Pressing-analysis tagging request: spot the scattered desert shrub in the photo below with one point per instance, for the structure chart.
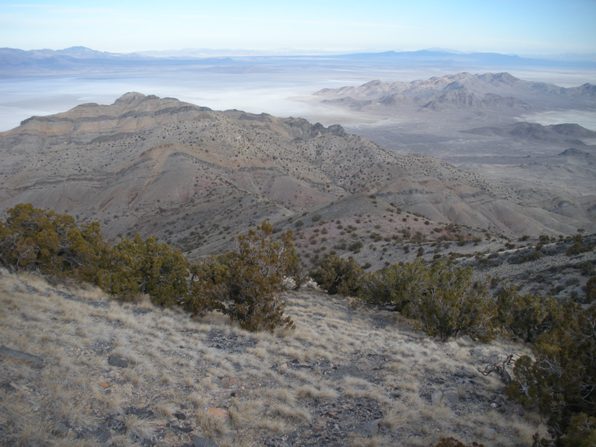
(579, 246)
(338, 275)
(208, 285)
(355, 247)
(42, 240)
(559, 381)
(450, 304)
(591, 289)
(256, 276)
(581, 431)
(526, 316)
(243, 284)
(526, 255)
(39, 240)
(395, 284)
(441, 297)
(146, 266)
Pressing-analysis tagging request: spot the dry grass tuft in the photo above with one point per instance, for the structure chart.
(309, 391)
(138, 428)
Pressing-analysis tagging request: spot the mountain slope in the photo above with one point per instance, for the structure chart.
(196, 176)
(143, 375)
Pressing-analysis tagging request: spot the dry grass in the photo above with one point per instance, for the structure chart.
(341, 366)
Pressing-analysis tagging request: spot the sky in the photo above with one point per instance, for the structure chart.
(530, 27)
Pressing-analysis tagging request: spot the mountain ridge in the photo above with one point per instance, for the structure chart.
(197, 176)
(38, 62)
(567, 132)
(471, 91)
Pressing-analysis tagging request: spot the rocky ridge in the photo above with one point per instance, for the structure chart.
(196, 177)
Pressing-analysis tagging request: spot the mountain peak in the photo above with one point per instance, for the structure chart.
(132, 97)
(503, 77)
(80, 48)
(373, 83)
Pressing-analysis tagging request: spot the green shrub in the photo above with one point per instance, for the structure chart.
(166, 272)
(244, 284)
(208, 286)
(441, 298)
(42, 240)
(525, 315)
(581, 431)
(120, 273)
(339, 276)
(591, 289)
(450, 303)
(146, 266)
(256, 276)
(355, 247)
(52, 243)
(578, 246)
(559, 381)
(395, 285)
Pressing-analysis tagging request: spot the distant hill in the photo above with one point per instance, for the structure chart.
(488, 93)
(573, 152)
(567, 132)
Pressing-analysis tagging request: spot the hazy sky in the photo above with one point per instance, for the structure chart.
(512, 26)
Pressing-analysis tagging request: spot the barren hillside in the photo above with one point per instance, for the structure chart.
(196, 177)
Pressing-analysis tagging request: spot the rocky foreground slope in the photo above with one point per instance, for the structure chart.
(79, 368)
(196, 177)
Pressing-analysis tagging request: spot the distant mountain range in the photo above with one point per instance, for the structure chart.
(486, 59)
(565, 133)
(15, 62)
(36, 62)
(488, 92)
(71, 52)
